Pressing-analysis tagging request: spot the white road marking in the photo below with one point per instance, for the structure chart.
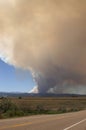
(75, 124)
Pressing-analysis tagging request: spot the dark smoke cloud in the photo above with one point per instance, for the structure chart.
(47, 37)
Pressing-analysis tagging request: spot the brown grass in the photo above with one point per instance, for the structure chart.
(49, 103)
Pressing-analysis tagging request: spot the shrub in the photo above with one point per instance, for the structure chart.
(9, 109)
(6, 105)
(20, 97)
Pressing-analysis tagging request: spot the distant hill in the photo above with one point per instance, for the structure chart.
(18, 94)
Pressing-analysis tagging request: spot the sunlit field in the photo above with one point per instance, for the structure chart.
(21, 106)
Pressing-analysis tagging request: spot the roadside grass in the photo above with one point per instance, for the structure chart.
(20, 106)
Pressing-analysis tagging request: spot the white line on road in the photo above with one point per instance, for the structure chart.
(75, 124)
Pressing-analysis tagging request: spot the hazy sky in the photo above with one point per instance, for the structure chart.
(47, 38)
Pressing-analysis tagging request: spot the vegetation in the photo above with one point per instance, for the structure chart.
(9, 109)
(16, 107)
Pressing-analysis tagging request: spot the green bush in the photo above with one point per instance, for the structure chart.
(13, 113)
(6, 105)
(9, 109)
(20, 97)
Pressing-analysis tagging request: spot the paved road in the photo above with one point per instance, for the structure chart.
(69, 121)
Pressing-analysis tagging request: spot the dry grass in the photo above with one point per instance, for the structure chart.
(15, 107)
(67, 103)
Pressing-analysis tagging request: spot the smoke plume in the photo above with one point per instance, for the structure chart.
(47, 37)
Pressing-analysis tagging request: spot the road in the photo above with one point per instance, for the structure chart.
(68, 121)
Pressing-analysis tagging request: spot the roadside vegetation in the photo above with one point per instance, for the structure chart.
(17, 107)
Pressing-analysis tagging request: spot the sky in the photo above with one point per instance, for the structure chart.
(12, 80)
(46, 38)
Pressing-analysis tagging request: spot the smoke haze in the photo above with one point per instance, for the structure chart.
(47, 37)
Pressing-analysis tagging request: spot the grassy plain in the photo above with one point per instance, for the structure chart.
(21, 106)
(51, 103)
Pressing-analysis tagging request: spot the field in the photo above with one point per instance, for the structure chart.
(21, 106)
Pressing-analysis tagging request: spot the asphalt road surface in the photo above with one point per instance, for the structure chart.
(68, 121)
